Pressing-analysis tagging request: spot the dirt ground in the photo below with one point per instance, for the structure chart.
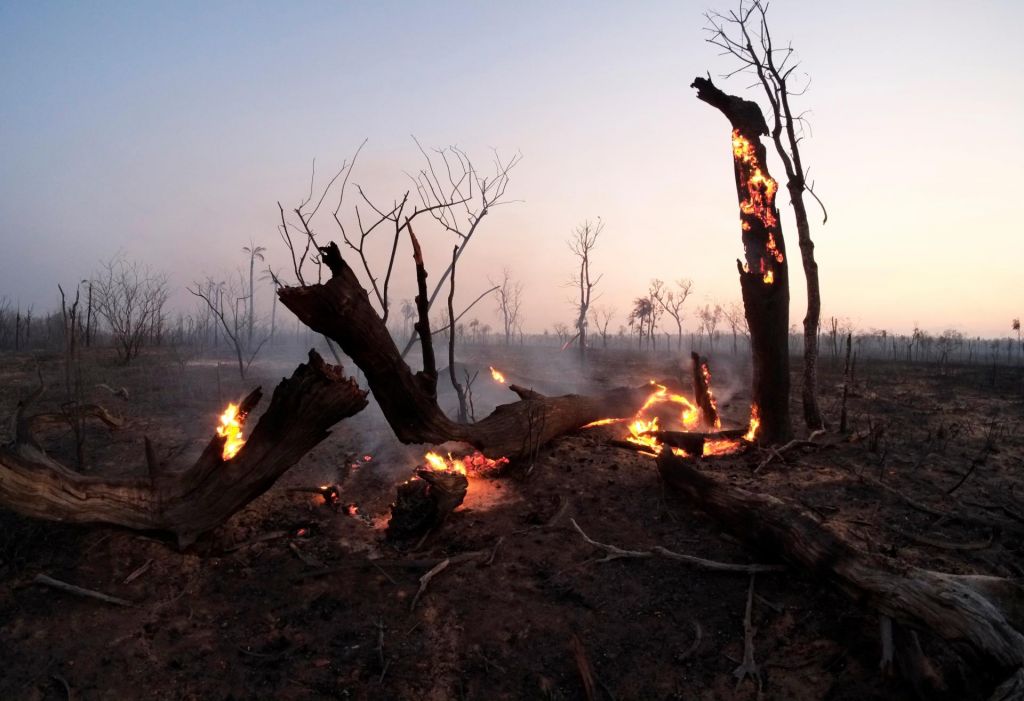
(294, 600)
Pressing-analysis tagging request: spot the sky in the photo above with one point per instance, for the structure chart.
(168, 132)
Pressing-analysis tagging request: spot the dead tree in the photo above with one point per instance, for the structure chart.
(764, 275)
(341, 310)
(702, 393)
(582, 243)
(190, 501)
(231, 319)
(510, 299)
(984, 613)
(751, 44)
(672, 301)
(130, 298)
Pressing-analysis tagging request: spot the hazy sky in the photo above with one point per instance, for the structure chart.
(169, 131)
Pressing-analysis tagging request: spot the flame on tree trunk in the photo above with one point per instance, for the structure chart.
(764, 274)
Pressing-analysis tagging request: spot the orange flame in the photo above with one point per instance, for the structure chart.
(760, 200)
(755, 423)
(230, 430)
(475, 463)
(498, 377)
(706, 372)
(602, 422)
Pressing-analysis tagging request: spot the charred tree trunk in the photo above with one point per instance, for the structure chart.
(985, 613)
(192, 501)
(702, 392)
(340, 309)
(764, 275)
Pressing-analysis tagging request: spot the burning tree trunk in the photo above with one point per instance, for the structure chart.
(340, 309)
(764, 275)
(983, 612)
(702, 392)
(192, 501)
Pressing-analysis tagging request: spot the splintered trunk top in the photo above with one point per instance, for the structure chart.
(764, 272)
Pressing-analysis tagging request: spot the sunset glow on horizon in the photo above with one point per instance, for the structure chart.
(169, 132)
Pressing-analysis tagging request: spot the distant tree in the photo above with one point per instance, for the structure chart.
(130, 298)
(672, 301)
(602, 318)
(582, 243)
(1016, 327)
(562, 332)
(643, 310)
(232, 317)
(709, 318)
(510, 298)
(744, 35)
(254, 252)
(737, 320)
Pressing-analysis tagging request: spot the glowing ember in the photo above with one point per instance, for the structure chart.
(476, 463)
(230, 430)
(351, 510)
(367, 458)
(498, 377)
(755, 423)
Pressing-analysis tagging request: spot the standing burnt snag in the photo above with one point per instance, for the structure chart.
(764, 274)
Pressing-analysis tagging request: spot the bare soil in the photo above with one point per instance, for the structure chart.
(249, 613)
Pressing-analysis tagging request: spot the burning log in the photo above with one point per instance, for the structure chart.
(425, 502)
(693, 441)
(340, 309)
(980, 611)
(198, 498)
(702, 392)
(764, 275)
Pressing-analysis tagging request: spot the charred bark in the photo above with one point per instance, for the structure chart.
(981, 612)
(764, 274)
(425, 502)
(198, 498)
(702, 392)
(340, 309)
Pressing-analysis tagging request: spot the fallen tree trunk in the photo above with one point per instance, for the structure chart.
(192, 501)
(340, 309)
(982, 612)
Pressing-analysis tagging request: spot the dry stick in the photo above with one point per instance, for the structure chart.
(615, 552)
(79, 591)
(698, 635)
(425, 580)
(583, 665)
(64, 683)
(139, 572)
(748, 668)
(307, 559)
(795, 443)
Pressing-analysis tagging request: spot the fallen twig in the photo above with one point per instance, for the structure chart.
(748, 668)
(425, 580)
(583, 665)
(776, 453)
(615, 552)
(79, 591)
(139, 571)
(698, 635)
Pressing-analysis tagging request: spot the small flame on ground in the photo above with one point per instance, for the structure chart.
(498, 377)
(230, 430)
(475, 463)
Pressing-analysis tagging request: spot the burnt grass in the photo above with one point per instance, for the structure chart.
(245, 614)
